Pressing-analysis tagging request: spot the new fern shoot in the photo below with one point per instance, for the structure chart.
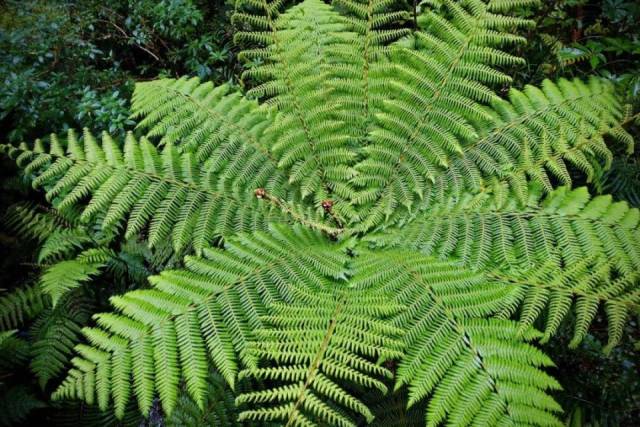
(369, 229)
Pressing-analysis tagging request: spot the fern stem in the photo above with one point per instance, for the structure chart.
(315, 364)
(467, 339)
(298, 109)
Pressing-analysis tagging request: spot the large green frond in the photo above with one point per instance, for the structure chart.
(436, 84)
(539, 135)
(358, 67)
(310, 138)
(209, 310)
(213, 123)
(62, 243)
(562, 248)
(165, 191)
(309, 350)
(476, 370)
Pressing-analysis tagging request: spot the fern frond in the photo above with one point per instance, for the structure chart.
(213, 123)
(358, 67)
(535, 138)
(551, 293)
(54, 334)
(20, 305)
(310, 138)
(565, 226)
(160, 190)
(63, 276)
(477, 370)
(209, 310)
(541, 132)
(309, 349)
(565, 247)
(438, 82)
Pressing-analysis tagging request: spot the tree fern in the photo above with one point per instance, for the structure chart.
(370, 217)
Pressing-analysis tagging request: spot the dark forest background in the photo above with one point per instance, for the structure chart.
(71, 64)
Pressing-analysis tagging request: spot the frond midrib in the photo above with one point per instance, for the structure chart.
(468, 339)
(283, 205)
(297, 107)
(314, 366)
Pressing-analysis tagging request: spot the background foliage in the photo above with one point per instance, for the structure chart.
(63, 63)
(68, 64)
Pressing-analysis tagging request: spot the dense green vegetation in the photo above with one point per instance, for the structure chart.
(348, 213)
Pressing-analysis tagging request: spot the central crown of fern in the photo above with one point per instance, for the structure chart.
(381, 221)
